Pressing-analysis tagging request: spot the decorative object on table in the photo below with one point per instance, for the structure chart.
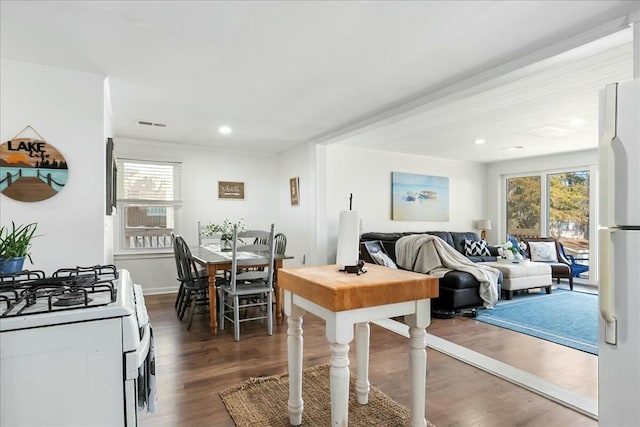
(224, 230)
(31, 169)
(294, 190)
(513, 250)
(230, 190)
(484, 225)
(564, 317)
(348, 249)
(419, 197)
(260, 402)
(15, 243)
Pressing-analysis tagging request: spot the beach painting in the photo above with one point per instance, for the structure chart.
(417, 197)
(31, 170)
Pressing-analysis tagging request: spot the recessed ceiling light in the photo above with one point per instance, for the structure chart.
(225, 130)
(513, 147)
(479, 141)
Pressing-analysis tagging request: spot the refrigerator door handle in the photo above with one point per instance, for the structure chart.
(606, 287)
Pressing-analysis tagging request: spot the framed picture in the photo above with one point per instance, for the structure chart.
(294, 189)
(419, 197)
(230, 190)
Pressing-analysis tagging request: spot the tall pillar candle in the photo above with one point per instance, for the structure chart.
(348, 238)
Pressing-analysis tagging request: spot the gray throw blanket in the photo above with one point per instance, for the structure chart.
(424, 253)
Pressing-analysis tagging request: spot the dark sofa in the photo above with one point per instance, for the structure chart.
(458, 290)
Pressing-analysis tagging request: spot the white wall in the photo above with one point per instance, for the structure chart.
(66, 108)
(202, 168)
(297, 222)
(367, 174)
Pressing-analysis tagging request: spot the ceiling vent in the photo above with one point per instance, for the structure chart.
(144, 123)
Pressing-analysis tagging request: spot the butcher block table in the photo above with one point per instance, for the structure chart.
(348, 301)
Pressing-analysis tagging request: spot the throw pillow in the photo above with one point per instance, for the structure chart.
(543, 251)
(476, 248)
(383, 259)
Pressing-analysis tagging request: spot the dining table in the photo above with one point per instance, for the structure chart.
(215, 260)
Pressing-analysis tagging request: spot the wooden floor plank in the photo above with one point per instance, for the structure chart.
(193, 367)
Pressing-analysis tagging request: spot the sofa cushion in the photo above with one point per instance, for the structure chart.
(459, 238)
(383, 259)
(475, 248)
(444, 235)
(543, 251)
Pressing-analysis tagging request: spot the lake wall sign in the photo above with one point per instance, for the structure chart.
(31, 169)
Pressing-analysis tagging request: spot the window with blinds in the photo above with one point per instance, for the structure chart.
(149, 198)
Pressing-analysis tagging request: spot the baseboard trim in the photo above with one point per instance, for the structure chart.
(159, 291)
(560, 395)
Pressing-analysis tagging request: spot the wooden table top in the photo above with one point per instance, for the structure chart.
(339, 291)
(203, 255)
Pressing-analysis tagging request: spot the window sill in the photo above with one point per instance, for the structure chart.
(143, 254)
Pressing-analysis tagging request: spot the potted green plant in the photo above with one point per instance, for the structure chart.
(15, 243)
(225, 230)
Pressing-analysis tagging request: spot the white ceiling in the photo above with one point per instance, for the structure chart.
(418, 77)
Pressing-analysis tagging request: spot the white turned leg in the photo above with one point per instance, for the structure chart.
(418, 366)
(362, 362)
(294, 349)
(339, 379)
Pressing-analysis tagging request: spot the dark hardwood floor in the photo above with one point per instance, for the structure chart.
(193, 367)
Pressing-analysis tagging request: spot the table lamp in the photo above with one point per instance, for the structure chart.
(484, 225)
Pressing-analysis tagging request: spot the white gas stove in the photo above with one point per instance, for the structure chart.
(81, 333)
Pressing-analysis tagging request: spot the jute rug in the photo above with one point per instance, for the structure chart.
(263, 402)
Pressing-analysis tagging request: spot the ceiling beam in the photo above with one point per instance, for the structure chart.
(474, 84)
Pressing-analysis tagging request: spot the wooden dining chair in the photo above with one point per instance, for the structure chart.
(249, 289)
(195, 287)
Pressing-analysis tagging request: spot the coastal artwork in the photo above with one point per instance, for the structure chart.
(31, 169)
(417, 197)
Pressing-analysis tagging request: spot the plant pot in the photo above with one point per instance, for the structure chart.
(11, 265)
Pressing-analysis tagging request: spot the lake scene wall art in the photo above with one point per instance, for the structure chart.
(417, 197)
(31, 169)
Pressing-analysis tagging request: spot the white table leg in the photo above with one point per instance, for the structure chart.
(362, 362)
(418, 361)
(294, 348)
(339, 379)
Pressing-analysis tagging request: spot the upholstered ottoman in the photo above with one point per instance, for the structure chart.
(523, 275)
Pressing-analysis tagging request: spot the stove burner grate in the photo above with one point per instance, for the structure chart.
(29, 293)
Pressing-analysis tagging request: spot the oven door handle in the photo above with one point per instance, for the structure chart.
(135, 359)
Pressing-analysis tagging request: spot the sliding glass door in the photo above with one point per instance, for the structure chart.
(559, 209)
(524, 197)
(568, 207)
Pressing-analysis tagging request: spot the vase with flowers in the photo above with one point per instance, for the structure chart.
(513, 250)
(225, 231)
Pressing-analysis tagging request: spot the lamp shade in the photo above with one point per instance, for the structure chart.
(483, 224)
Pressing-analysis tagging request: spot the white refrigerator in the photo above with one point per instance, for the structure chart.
(619, 256)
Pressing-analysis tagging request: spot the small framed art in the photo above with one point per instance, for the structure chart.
(230, 190)
(294, 188)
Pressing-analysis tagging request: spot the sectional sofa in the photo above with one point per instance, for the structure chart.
(458, 290)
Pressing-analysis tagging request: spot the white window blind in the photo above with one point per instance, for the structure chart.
(149, 181)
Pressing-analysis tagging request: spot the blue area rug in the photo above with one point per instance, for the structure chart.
(565, 317)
